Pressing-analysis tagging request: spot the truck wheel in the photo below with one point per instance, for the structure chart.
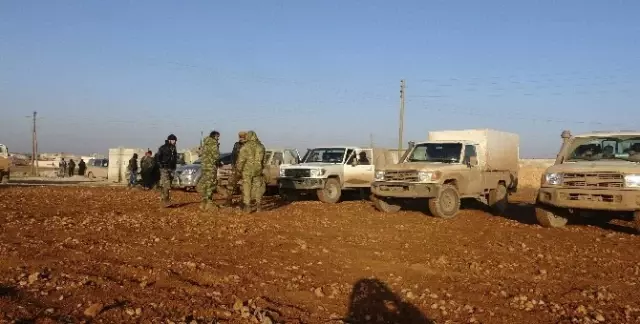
(331, 192)
(636, 220)
(498, 200)
(288, 195)
(547, 218)
(385, 205)
(446, 204)
(4, 178)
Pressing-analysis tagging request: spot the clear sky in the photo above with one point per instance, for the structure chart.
(302, 73)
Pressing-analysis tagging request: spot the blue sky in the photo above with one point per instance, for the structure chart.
(302, 73)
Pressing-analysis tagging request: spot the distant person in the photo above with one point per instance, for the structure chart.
(63, 167)
(209, 168)
(82, 167)
(133, 170)
(167, 159)
(251, 164)
(146, 170)
(72, 168)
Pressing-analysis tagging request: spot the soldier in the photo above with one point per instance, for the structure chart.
(233, 179)
(210, 154)
(146, 166)
(133, 170)
(63, 167)
(82, 166)
(167, 159)
(250, 164)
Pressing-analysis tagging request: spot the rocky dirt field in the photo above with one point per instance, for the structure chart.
(112, 255)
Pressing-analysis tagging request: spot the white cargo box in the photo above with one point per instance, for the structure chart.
(497, 150)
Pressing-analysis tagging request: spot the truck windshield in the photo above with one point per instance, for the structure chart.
(436, 152)
(325, 155)
(625, 148)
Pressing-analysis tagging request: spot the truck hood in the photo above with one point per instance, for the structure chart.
(312, 165)
(422, 166)
(596, 166)
(187, 166)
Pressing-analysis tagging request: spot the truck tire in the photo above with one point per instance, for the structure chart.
(4, 177)
(385, 205)
(331, 192)
(498, 200)
(636, 221)
(288, 195)
(550, 219)
(446, 204)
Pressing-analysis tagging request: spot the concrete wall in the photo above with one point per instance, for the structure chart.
(119, 160)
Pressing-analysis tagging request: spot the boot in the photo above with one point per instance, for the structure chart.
(258, 207)
(203, 206)
(246, 209)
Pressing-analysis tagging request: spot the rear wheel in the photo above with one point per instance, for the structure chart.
(499, 200)
(549, 218)
(331, 192)
(636, 220)
(446, 204)
(4, 177)
(386, 205)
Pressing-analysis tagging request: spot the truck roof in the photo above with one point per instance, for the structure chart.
(610, 134)
(448, 141)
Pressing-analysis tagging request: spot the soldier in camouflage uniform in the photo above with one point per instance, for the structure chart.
(146, 165)
(167, 158)
(250, 164)
(210, 154)
(235, 176)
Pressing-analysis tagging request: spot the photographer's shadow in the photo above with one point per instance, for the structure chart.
(373, 302)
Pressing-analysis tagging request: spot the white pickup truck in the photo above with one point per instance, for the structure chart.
(327, 171)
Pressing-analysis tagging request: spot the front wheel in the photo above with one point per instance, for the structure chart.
(4, 177)
(499, 200)
(385, 205)
(331, 192)
(547, 218)
(446, 204)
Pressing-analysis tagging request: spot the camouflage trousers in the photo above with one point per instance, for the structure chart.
(253, 187)
(166, 178)
(208, 183)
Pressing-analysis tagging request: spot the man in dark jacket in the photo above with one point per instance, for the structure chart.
(82, 166)
(133, 170)
(167, 158)
(72, 167)
(233, 179)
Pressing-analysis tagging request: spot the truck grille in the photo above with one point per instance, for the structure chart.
(409, 176)
(297, 173)
(593, 180)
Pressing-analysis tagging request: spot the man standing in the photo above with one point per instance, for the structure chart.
(250, 165)
(146, 166)
(82, 166)
(133, 170)
(167, 158)
(210, 154)
(63, 167)
(233, 179)
(72, 167)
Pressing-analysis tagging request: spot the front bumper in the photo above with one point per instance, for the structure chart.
(404, 189)
(184, 181)
(301, 183)
(611, 200)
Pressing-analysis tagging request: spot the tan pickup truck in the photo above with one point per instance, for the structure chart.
(479, 164)
(5, 164)
(596, 176)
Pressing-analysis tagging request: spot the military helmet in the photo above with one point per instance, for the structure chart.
(172, 137)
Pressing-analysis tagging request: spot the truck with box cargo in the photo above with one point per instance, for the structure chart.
(596, 177)
(452, 165)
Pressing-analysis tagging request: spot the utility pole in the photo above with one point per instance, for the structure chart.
(34, 148)
(401, 128)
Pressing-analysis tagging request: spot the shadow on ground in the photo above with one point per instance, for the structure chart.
(372, 301)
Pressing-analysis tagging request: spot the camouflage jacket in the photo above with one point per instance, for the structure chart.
(133, 165)
(251, 156)
(147, 162)
(210, 153)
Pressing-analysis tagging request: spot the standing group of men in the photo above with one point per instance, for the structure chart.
(70, 168)
(148, 170)
(247, 163)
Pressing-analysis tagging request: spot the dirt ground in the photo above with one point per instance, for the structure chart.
(112, 255)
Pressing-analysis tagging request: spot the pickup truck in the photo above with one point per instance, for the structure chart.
(5, 164)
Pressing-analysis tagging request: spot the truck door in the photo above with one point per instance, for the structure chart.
(473, 172)
(358, 169)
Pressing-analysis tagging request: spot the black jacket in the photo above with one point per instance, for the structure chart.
(167, 156)
(235, 152)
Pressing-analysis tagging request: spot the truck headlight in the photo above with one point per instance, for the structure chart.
(379, 175)
(316, 173)
(425, 176)
(282, 172)
(553, 178)
(632, 180)
(188, 171)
